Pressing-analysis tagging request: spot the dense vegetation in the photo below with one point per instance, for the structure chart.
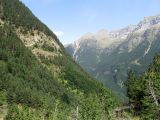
(35, 87)
(32, 88)
(144, 92)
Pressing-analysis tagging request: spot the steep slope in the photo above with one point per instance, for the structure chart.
(130, 48)
(38, 80)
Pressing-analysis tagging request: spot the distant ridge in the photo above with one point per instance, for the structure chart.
(109, 55)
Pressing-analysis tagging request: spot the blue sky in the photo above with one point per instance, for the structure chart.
(70, 19)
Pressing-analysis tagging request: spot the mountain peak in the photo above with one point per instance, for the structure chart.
(103, 31)
(152, 17)
(86, 37)
(148, 22)
(102, 34)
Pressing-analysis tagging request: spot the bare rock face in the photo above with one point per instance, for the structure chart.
(130, 37)
(150, 25)
(103, 39)
(148, 22)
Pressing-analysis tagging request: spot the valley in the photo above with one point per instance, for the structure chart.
(110, 55)
(108, 75)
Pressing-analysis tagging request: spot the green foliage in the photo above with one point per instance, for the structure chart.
(144, 92)
(32, 91)
(47, 47)
(2, 98)
(25, 80)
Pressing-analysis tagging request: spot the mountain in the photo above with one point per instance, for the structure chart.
(38, 80)
(109, 55)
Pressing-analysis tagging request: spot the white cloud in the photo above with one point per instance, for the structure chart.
(58, 33)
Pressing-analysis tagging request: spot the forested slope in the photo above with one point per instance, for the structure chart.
(38, 80)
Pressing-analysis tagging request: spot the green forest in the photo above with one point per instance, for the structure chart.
(38, 87)
(144, 92)
(29, 88)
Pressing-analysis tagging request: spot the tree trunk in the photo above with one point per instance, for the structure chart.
(152, 92)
